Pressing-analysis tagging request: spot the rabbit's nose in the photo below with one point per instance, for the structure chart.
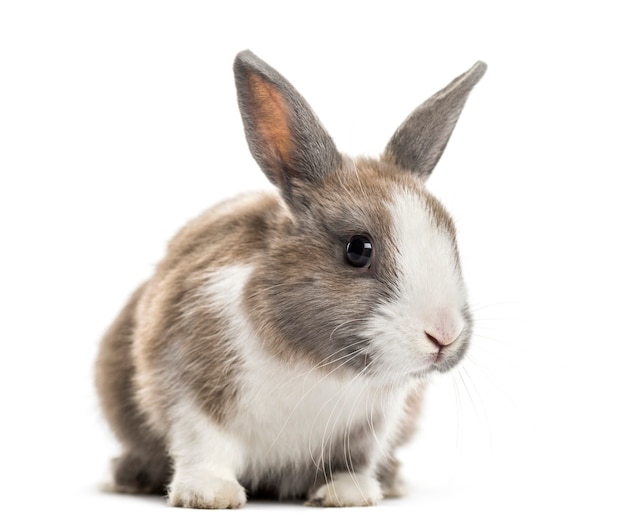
(444, 333)
(434, 340)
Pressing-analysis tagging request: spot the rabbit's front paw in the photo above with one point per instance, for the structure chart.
(207, 493)
(347, 489)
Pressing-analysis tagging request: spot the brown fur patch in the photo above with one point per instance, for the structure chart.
(308, 303)
(180, 343)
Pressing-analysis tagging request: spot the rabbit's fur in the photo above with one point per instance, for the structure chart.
(257, 358)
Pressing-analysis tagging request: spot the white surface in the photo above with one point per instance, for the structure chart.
(118, 122)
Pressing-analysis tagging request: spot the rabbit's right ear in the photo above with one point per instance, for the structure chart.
(284, 135)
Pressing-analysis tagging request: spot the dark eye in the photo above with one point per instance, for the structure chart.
(359, 251)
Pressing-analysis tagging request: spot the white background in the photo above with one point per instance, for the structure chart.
(118, 123)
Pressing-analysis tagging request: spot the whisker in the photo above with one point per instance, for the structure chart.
(478, 307)
(457, 397)
(488, 374)
(322, 363)
(326, 437)
(347, 436)
(462, 370)
(345, 323)
(477, 335)
(370, 423)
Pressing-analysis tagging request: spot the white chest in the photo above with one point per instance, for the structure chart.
(289, 415)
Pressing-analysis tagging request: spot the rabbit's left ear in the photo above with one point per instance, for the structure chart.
(419, 142)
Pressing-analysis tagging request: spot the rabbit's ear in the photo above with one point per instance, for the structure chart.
(284, 135)
(419, 142)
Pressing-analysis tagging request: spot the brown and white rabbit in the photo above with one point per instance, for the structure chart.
(281, 346)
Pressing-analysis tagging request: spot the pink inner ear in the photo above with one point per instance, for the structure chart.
(271, 117)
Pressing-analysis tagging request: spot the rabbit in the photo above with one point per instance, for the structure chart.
(283, 344)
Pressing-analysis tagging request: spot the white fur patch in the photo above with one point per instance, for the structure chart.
(192, 431)
(206, 461)
(348, 489)
(431, 293)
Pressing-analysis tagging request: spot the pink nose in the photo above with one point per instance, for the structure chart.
(443, 337)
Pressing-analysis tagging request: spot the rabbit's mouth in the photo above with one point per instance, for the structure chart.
(406, 356)
(447, 357)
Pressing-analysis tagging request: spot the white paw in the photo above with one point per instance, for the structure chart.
(207, 493)
(347, 489)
